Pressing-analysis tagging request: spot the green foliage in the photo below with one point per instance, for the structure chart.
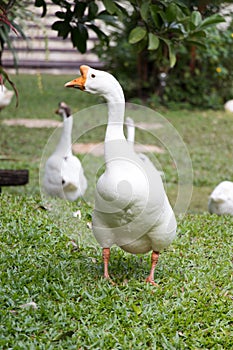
(76, 20)
(159, 26)
(202, 75)
(152, 40)
(206, 80)
(12, 14)
(167, 24)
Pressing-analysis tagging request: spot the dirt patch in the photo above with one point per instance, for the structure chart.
(149, 126)
(148, 148)
(97, 149)
(33, 123)
(49, 123)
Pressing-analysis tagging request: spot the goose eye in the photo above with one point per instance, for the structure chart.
(93, 75)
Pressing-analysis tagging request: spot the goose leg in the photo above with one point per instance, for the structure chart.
(106, 256)
(154, 260)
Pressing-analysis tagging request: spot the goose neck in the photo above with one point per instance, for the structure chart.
(115, 124)
(64, 145)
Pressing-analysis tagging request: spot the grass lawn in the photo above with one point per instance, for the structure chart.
(52, 259)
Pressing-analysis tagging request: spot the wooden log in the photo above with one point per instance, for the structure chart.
(13, 177)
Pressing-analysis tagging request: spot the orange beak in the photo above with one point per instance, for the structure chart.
(79, 83)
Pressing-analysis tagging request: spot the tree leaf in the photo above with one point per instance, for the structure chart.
(198, 34)
(62, 27)
(41, 3)
(196, 18)
(92, 10)
(209, 21)
(196, 43)
(153, 42)
(162, 15)
(106, 17)
(110, 6)
(79, 36)
(144, 10)
(171, 12)
(172, 55)
(101, 35)
(136, 35)
(79, 9)
(60, 14)
(154, 14)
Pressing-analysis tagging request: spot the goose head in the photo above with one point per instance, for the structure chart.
(98, 82)
(63, 110)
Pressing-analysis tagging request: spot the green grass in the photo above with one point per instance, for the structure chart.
(76, 307)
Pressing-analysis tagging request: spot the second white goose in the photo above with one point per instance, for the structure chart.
(131, 138)
(64, 176)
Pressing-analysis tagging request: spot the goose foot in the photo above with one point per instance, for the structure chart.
(152, 282)
(154, 261)
(106, 257)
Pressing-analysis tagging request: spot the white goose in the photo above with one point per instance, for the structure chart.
(221, 199)
(131, 137)
(229, 106)
(64, 176)
(131, 206)
(5, 96)
(130, 131)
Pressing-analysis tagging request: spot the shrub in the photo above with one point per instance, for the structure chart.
(205, 80)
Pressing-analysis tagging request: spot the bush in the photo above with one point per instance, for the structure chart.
(207, 80)
(202, 76)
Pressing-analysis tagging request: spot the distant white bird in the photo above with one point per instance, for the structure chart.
(229, 106)
(221, 199)
(5, 96)
(64, 176)
(130, 126)
(130, 131)
(131, 207)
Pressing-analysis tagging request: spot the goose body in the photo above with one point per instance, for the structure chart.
(5, 96)
(131, 206)
(64, 176)
(221, 199)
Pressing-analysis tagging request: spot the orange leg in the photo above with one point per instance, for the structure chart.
(154, 260)
(106, 256)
